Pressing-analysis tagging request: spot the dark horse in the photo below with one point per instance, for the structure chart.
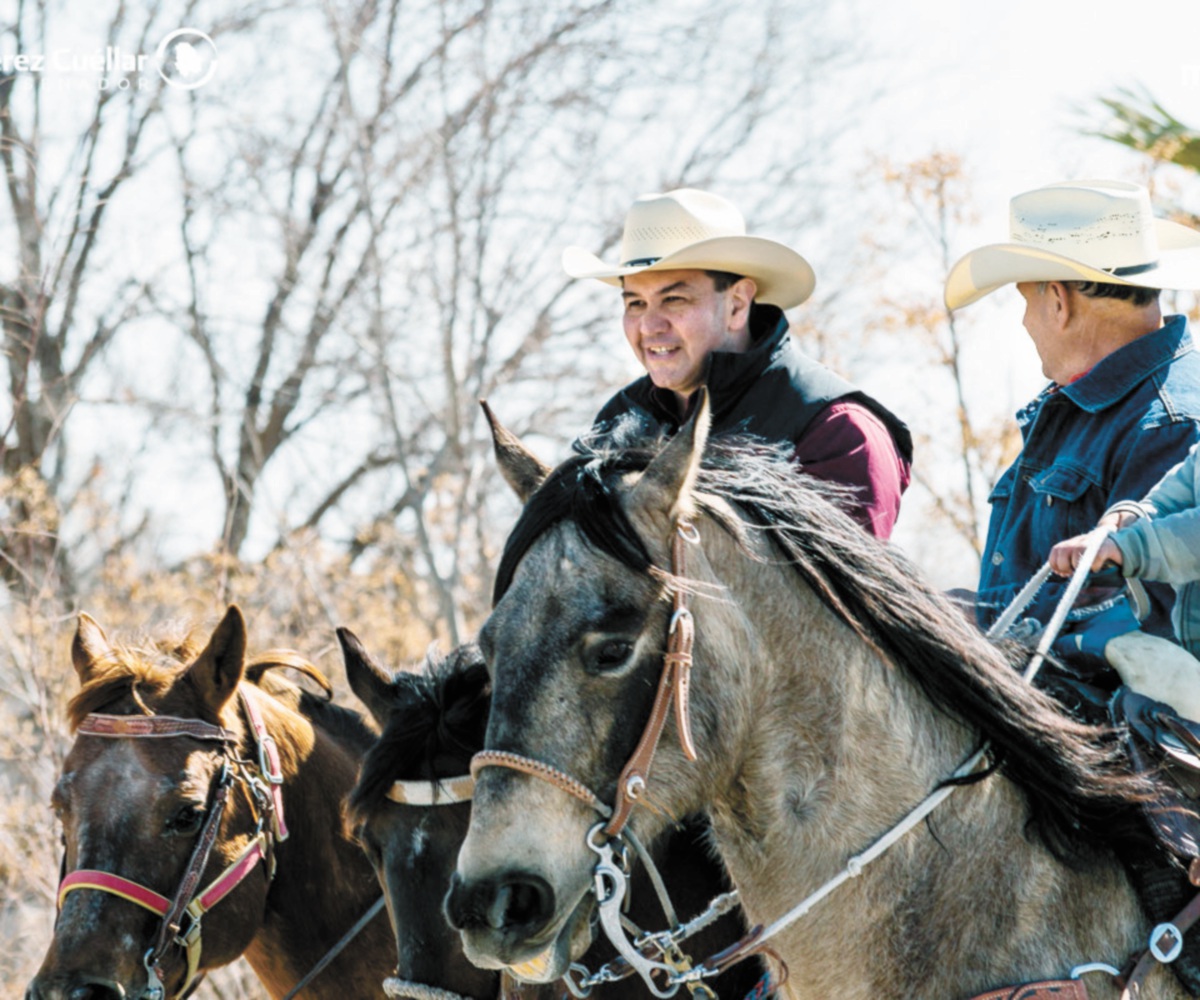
(410, 810)
(166, 739)
(831, 689)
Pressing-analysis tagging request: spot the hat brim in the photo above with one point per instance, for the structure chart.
(783, 277)
(982, 271)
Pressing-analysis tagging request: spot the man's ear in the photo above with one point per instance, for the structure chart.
(738, 298)
(1061, 301)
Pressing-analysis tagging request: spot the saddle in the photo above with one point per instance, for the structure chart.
(1160, 741)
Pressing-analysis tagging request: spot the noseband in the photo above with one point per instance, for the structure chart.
(264, 785)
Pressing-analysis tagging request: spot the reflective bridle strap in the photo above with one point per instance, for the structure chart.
(438, 792)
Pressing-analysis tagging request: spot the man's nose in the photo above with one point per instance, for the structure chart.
(654, 321)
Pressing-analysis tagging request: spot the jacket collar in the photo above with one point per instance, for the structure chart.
(729, 373)
(1115, 376)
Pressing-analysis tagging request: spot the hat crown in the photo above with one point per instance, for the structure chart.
(660, 224)
(1105, 224)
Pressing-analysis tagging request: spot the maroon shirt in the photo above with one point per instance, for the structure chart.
(847, 443)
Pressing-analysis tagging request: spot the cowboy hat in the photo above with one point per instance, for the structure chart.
(1081, 231)
(686, 229)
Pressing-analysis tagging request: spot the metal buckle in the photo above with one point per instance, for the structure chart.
(268, 762)
(687, 531)
(676, 618)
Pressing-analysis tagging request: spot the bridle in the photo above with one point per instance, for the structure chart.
(674, 684)
(262, 779)
(436, 792)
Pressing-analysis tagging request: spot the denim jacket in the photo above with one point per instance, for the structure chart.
(1109, 435)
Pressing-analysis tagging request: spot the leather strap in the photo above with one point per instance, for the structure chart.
(86, 878)
(1163, 940)
(538, 769)
(673, 686)
(1047, 989)
(438, 792)
(268, 763)
(150, 726)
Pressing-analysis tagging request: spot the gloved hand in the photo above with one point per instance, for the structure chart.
(1081, 644)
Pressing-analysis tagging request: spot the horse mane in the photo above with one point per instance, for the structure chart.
(436, 723)
(1076, 779)
(149, 667)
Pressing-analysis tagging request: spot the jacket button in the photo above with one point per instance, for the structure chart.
(1049, 501)
(997, 558)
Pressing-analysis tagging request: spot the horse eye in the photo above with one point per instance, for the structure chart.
(185, 821)
(611, 654)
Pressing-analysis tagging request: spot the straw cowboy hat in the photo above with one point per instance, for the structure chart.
(1081, 231)
(690, 229)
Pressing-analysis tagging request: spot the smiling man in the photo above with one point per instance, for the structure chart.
(704, 307)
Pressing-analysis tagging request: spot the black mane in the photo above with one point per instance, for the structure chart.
(1079, 784)
(435, 726)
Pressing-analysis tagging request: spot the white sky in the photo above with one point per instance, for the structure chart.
(1003, 81)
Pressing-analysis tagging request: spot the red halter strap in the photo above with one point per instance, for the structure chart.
(188, 900)
(673, 686)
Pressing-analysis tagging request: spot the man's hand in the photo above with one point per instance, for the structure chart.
(1065, 556)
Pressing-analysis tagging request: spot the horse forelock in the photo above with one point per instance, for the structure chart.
(1075, 778)
(436, 725)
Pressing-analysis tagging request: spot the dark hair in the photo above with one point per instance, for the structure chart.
(1136, 294)
(723, 279)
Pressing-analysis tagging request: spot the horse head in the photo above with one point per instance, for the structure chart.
(575, 643)
(409, 810)
(171, 802)
(133, 808)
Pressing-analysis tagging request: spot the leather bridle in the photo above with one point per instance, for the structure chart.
(673, 687)
(263, 783)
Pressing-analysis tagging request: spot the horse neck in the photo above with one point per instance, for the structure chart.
(306, 915)
(824, 749)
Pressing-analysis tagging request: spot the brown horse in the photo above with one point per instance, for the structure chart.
(410, 810)
(830, 690)
(174, 750)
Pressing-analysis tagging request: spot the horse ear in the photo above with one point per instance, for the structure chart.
(668, 480)
(370, 682)
(219, 668)
(89, 647)
(520, 467)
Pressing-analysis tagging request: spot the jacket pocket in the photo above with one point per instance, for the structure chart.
(1066, 487)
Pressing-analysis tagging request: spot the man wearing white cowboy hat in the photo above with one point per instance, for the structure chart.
(1122, 406)
(704, 307)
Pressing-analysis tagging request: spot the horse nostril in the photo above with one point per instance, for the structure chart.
(96, 990)
(498, 912)
(519, 900)
(520, 903)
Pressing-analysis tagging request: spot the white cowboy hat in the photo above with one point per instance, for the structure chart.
(1081, 231)
(686, 229)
